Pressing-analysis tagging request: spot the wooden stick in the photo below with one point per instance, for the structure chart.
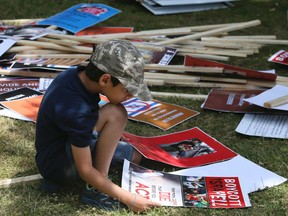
(261, 83)
(17, 49)
(211, 85)
(54, 46)
(16, 22)
(59, 56)
(213, 26)
(249, 40)
(93, 40)
(168, 77)
(276, 102)
(216, 52)
(180, 95)
(211, 32)
(29, 73)
(181, 68)
(150, 82)
(206, 56)
(222, 79)
(47, 51)
(64, 42)
(12, 181)
(270, 37)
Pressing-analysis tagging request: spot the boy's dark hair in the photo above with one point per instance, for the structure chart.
(95, 73)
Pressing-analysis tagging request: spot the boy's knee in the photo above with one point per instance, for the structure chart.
(117, 112)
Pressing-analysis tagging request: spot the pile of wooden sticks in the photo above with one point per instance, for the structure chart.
(211, 42)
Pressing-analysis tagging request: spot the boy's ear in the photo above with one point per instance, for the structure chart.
(104, 79)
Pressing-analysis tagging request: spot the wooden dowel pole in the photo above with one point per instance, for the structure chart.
(206, 56)
(12, 181)
(59, 56)
(47, 51)
(92, 40)
(181, 68)
(64, 42)
(276, 102)
(212, 32)
(18, 22)
(29, 73)
(180, 95)
(47, 45)
(216, 52)
(248, 40)
(18, 49)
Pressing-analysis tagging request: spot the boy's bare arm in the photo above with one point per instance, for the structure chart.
(89, 174)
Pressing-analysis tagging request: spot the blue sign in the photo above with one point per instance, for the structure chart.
(80, 16)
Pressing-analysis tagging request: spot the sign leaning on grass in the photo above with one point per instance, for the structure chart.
(80, 17)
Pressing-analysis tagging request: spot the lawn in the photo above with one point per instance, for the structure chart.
(17, 137)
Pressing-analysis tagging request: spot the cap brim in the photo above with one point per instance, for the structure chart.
(139, 90)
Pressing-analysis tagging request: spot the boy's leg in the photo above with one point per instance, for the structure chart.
(110, 125)
(111, 122)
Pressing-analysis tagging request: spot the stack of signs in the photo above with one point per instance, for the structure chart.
(214, 176)
(160, 7)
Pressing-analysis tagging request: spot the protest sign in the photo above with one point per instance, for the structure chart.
(12, 97)
(263, 125)
(280, 57)
(80, 17)
(188, 191)
(252, 176)
(187, 148)
(269, 95)
(27, 107)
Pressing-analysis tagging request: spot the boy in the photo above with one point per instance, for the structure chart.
(74, 138)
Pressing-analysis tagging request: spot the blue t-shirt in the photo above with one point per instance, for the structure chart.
(68, 113)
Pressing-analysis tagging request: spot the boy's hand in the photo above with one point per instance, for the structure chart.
(140, 204)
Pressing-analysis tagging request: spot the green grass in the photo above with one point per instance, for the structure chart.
(17, 137)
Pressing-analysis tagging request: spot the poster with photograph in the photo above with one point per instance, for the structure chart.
(187, 191)
(184, 149)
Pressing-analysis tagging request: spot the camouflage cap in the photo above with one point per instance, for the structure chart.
(123, 61)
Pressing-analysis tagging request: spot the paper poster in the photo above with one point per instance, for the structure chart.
(184, 149)
(5, 44)
(280, 57)
(264, 125)
(11, 84)
(96, 30)
(269, 95)
(165, 116)
(252, 176)
(230, 69)
(184, 190)
(80, 17)
(232, 101)
(27, 107)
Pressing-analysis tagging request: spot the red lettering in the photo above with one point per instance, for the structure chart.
(164, 196)
(141, 189)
